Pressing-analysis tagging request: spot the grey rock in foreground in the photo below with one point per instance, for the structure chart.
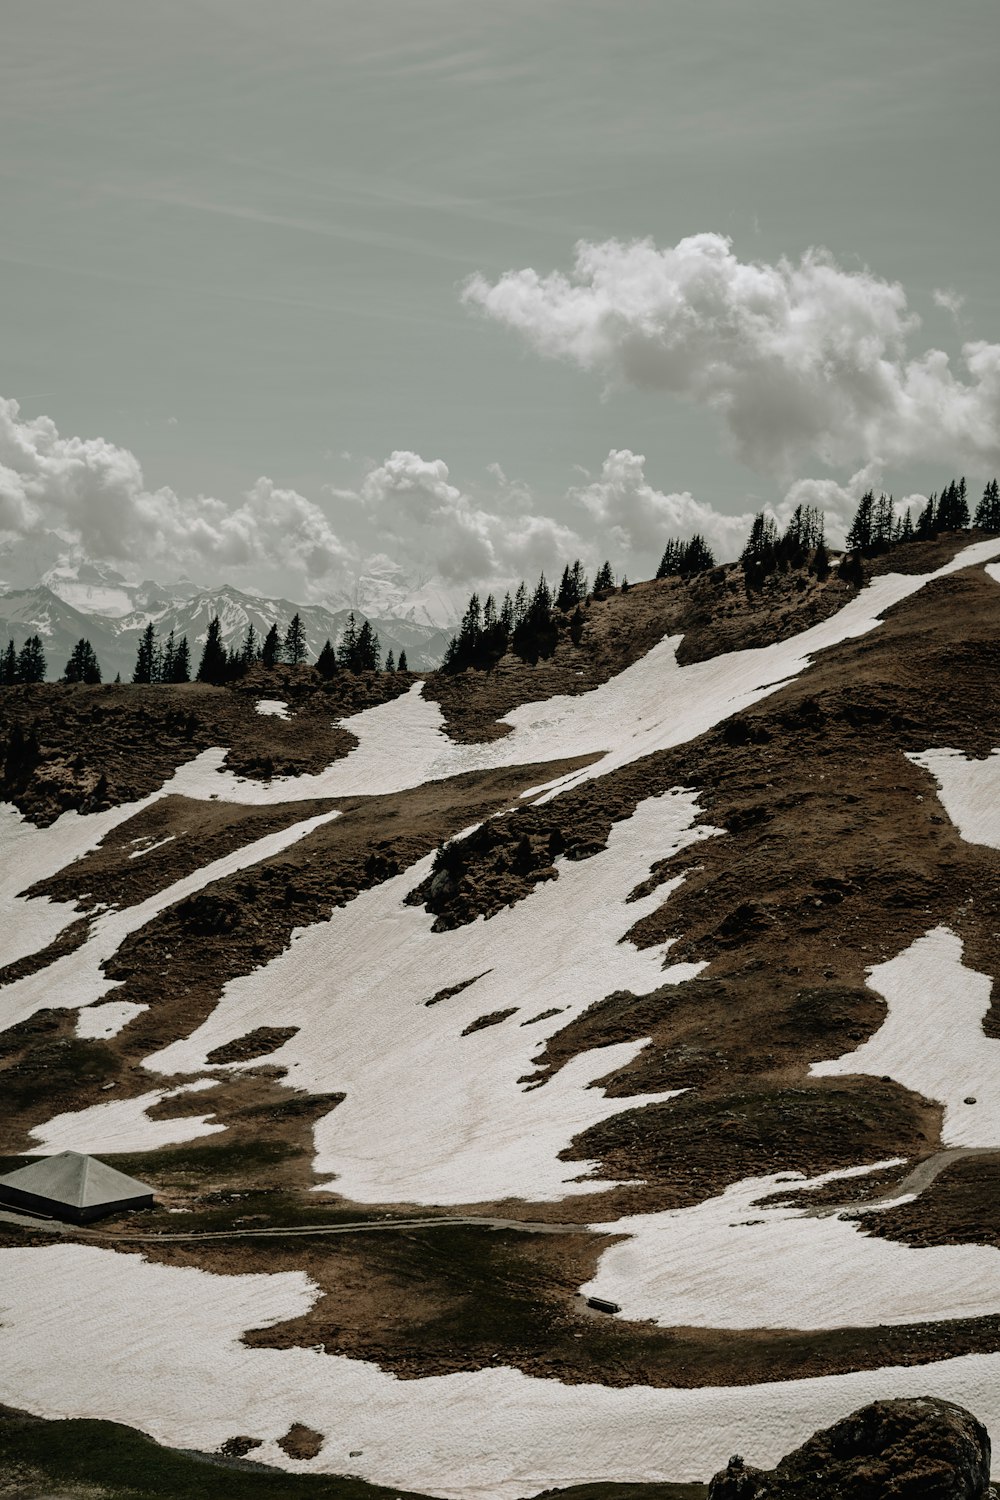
(921, 1449)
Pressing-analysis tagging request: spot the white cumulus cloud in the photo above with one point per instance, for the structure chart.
(798, 358)
(92, 492)
(417, 508)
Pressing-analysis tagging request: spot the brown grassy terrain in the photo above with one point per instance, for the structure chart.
(834, 853)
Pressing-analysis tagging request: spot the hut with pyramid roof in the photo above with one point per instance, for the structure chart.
(74, 1187)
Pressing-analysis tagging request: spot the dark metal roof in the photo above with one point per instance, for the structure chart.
(75, 1180)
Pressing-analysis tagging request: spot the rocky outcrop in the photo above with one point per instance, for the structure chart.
(921, 1449)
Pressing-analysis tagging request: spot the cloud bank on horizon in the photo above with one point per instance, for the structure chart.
(801, 362)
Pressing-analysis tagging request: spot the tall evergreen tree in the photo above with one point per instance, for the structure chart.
(213, 666)
(390, 662)
(271, 649)
(401, 664)
(8, 669)
(988, 509)
(347, 648)
(145, 656)
(670, 562)
(326, 661)
(83, 665)
(604, 579)
(697, 557)
(31, 661)
(168, 657)
(760, 551)
(181, 671)
(368, 651)
(859, 538)
(251, 647)
(927, 521)
(293, 647)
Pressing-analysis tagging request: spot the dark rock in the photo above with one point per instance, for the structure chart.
(920, 1449)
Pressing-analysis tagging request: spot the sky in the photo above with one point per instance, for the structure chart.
(481, 286)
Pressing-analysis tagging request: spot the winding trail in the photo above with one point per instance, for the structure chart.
(357, 1226)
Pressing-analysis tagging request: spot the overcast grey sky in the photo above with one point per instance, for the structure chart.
(235, 236)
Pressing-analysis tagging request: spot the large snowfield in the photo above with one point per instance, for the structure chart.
(437, 1114)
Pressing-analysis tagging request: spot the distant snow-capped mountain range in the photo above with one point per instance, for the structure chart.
(91, 600)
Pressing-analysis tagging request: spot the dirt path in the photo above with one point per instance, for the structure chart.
(358, 1226)
(912, 1185)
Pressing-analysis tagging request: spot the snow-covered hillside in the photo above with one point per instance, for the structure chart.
(709, 1035)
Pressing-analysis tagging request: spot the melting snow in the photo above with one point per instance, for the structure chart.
(275, 708)
(171, 1363)
(932, 1038)
(737, 1262)
(430, 1115)
(78, 978)
(969, 791)
(125, 1125)
(652, 705)
(107, 1018)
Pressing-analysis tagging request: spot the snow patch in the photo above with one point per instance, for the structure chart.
(969, 791)
(171, 1363)
(431, 1115)
(125, 1125)
(275, 708)
(78, 979)
(107, 1019)
(932, 1039)
(737, 1262)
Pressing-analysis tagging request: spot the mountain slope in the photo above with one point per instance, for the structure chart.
(677, 992)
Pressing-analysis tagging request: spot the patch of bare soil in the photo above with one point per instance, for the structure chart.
(88, 748)
(714, 612)
(960, 1207)
(178, 963)
(173, 838)
(424, 1302)
(301, 1441)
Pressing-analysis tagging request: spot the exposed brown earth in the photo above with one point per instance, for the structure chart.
(102, 746)
(714, 612)
(180, 961)
(834, 853)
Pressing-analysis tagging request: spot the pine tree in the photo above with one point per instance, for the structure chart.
(213, 665)
(368, 651)
(927, 521)
(988, 509)
(604, 580)
(760, 551)
(821, 562)
(390, 663)
(83, 665)
(8, 669)
(168, 657)
(520, 604)
(670, 562)
(294, 645)
(182, 661)
(251, 647)
(347, 648)
(565, 597)
(859, 538)
(271, 648)
(697, 557)
(401, 664)
(31, 661)
(145, 656)
(326, 662)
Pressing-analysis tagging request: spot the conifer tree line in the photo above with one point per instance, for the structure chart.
(26, 665)
(359, 650)
(526, 622)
